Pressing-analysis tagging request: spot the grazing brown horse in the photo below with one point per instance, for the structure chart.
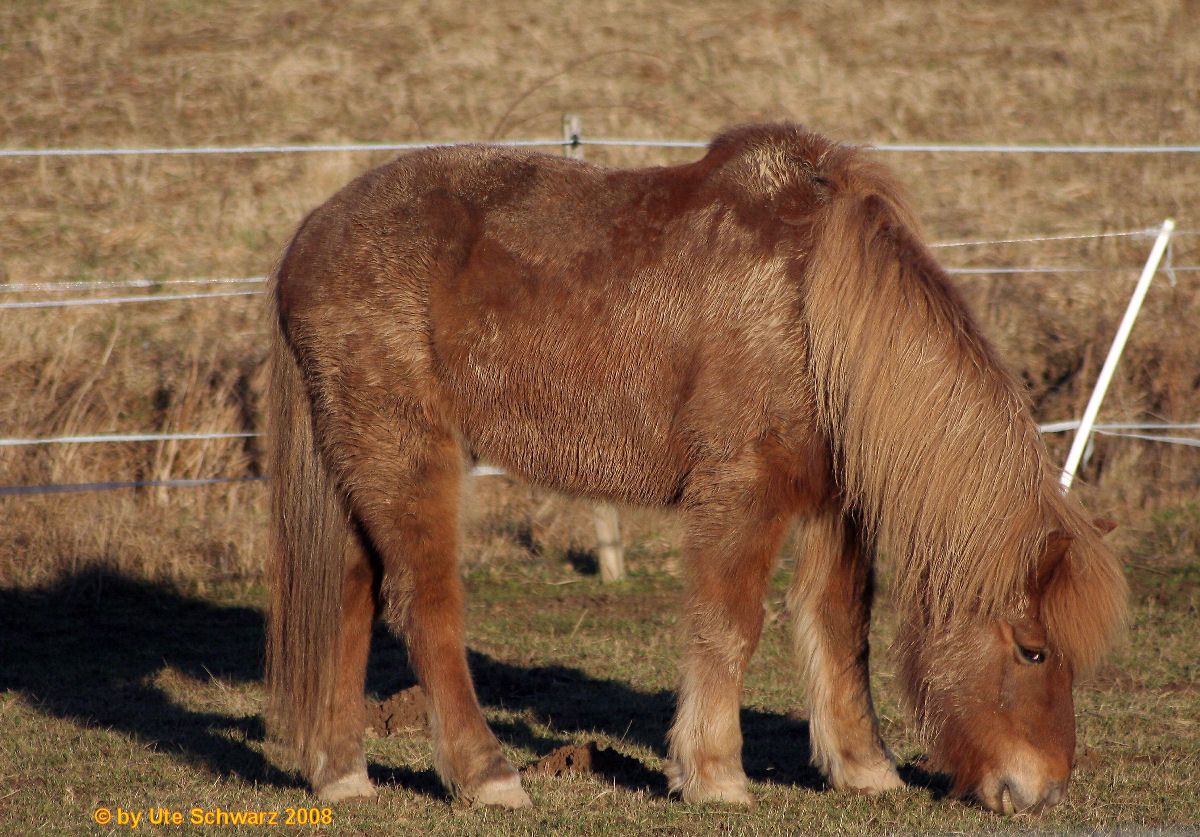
(756, 338)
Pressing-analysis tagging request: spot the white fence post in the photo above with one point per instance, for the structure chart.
(1114, 354)
(572, 130)
(609, 550)
(608, 543)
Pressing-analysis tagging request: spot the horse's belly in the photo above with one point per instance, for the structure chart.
(562, 422)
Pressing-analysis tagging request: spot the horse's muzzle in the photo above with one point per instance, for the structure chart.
(1017, 795)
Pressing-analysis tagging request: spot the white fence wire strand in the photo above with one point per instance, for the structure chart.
(109, 438)
(143, 283)
(983, 148)
(117, 300)
(270, 149)
(82, 487)
(928, 147)
(85, 487)
(120, 438)
(1120, 430)
(1073, 424)
(933, 148)
(1187, 441)
(108, 284)
(61, 286)
(1032, 270)
(1033, 239)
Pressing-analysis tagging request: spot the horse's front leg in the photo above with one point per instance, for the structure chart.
(830, 601)
(733, 536)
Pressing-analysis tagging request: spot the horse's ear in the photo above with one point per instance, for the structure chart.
(1104, 525)
(1054, 550)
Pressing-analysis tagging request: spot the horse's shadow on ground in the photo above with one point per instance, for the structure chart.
(92, 649)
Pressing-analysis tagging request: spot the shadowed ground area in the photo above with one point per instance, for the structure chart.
(118, 692)
(92, 649)
(88, 649)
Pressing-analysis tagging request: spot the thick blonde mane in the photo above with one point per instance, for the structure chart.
(935, 445)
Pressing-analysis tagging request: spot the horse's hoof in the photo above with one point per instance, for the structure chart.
(731, 789)
(879, 778)
(725, 795)
(353, 786)
(728, 792)
(505, 792)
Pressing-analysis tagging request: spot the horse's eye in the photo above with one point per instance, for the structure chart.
(1031, 656)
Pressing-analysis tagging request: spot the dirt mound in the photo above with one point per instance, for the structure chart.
(403, 712)
(586, 758)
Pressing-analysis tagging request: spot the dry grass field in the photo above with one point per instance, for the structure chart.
(132, 619)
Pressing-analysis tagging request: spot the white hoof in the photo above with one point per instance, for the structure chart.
(505, 792)
(726, 794)
(353, 786)
(876, 778)
(730, 791)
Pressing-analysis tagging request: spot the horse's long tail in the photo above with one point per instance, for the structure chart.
(309, 531)
(933, 444)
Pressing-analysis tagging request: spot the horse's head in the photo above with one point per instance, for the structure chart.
(994, 695)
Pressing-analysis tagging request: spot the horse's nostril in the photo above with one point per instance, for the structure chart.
(1016, 800)
(1008, 805)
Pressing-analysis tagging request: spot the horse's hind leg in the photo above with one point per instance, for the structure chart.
(342, 773)
(403, 476)
(830, 600)
(733, 535)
